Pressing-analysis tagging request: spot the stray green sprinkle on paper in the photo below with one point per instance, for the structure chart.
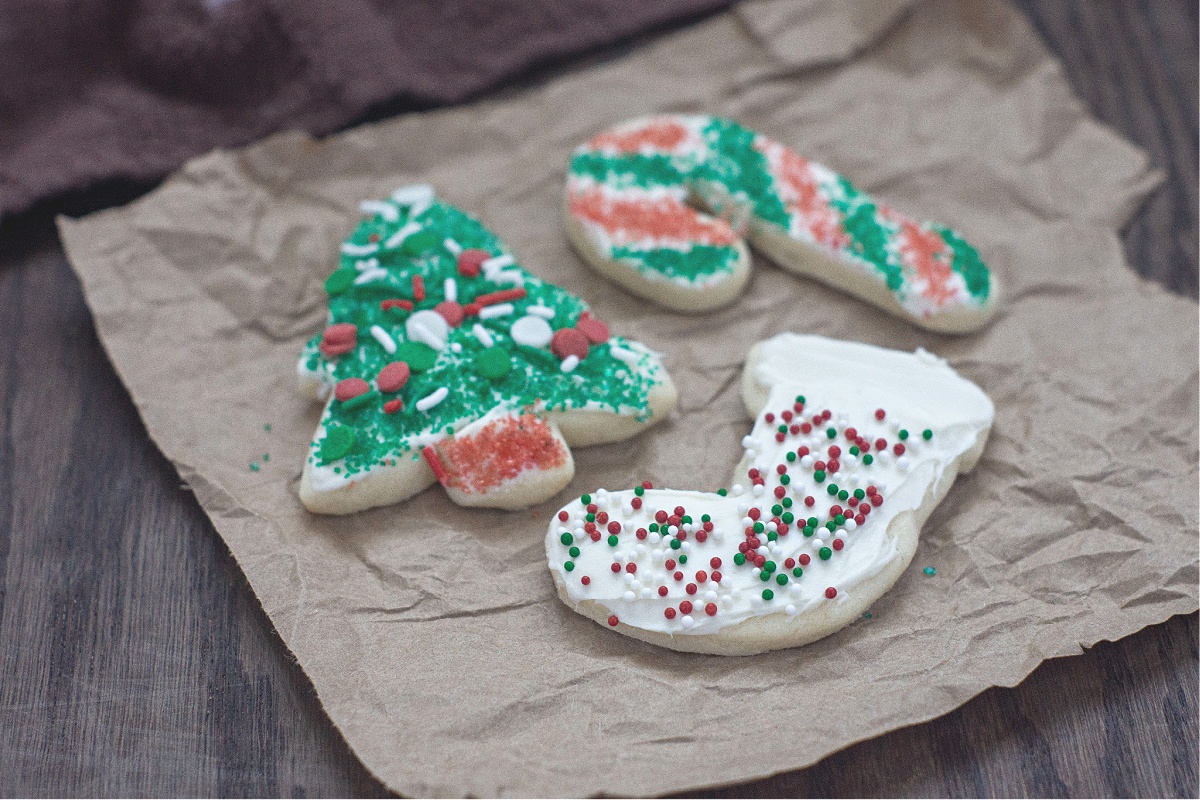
(929, 571)
(254, 467)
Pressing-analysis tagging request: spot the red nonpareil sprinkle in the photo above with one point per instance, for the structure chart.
(769, 417)
(852, 501)
(395, 302)
(691, 588)
(871, 490)
(781, 469)
(754, 513)
(392, 406)
(788, 563)
(418, 288)
(595, 535)
(880, 443)
(680, 511)
(838, 544)
(898, 449)
(450, 311)
(780, 492)
(833, 466)
(615, 567)
(669, 613)
(805, 428)
(810, 501)
(782, 528)
(670, 564)
(585, 580)
(635, 503)
(612, 621)
(595, 330)
(794, 430)
(647, 485)
(876, 500)
(601, 518)
(804, 559)
(660, 516)
(752, 473)
(685, 607)
(393, 377)
(678, 576)
(435, 464)
(716, 576)
(701, 576)
(859, 519)
(502, 296)
(714, 562)
(826, 414)
(708, 526)
(779, 437)
(831, 592)
(350, 388)
(798, 407)
(802, 450)
(864, 507)
(470, 262)
(701, 536)
(834, 451)
(880, 414)
(834, 510)
(674, 519)
(819, 465)
(711, 609)
(743, 547)
(563, 516)
(631, 568)
(851, 433)
(662, 591)
(641, 533)
(592, 508)
(681, 536)
(787, 416)
(759, 561)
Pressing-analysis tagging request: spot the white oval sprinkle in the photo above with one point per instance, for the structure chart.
(481, 333)
(430, 400)
(628, 356)
(397, 238)
(569, 363)
(497, 263)
(450, 289)
(452, 247)
(384, 338)
(370, 275)
(531, 331)
(377, 207)
(351, 249)
(509, 276)
(428, 327)
(498, 310)
(541, 311)
(366, 263)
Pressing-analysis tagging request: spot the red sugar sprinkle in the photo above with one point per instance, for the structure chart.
(802, 450)
(714, 562)
(711, 609)
(563, 516)
(880, 414)
(418, 288)
(615, 567)
(350, 388)
(691, 588)
(392, 406)
(631, 568)
(804, 559)
(470, 262)
(716, 577)
(708, 526)
(585, 580)
(686, 607)
(898, 449)
(612, 621)
(794, 430)
(662, 591)
(838, 544)
(759, 561)
(669, 613)
(826, 414)
(831, 592)
(798, 407)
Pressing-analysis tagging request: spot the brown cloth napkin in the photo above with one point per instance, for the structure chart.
(106, 89)
(433, 634)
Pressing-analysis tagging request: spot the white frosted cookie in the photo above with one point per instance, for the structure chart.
(852, 449)
(636, 203)
(442, 360)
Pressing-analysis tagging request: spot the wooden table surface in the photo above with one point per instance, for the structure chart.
(134, 659)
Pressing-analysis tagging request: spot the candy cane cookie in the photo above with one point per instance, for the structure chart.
(852, 448)
(660, 205)
(442, 360)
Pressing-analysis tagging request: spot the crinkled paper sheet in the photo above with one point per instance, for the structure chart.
(432, 633)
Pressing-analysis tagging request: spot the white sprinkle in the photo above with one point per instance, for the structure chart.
(497, 310)
(366, 263)
(430, 400)
(385, 210)
(418, 208)
(790, 609)
(397, 238)
(450, 289)
(408, 195)
(455, 347)
(645, 593)
(710, 596)
(481, 333)
(541, 311)
(370, 275)
(570, 363)
(384, 338)
(851, 524)
(351, 249)
(508, 276)
(621, 354)
(903, 463)
(747, 441)
(428, 327)
(726, 599)
(452, 247)
(736, 489)
(687, 621)
(496, 263)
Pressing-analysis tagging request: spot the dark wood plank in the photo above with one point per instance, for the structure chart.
(135, 660)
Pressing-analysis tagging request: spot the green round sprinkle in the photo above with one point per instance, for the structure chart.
(768, 594)
(685, 519)
(772, 536)
(566, 538)
(790, 456)
(639, 490)
(843, 495)
(705, 518)
(860, 494)
(782, 428)
(831, 433)
(776, 510)
(797, 572)
(784, 480)
(868, 458)
(493, 363)
(254, 466)
(570, 565)
(338, 441)
(781, 579)
(764, 576)
(589, 518)
(676, 544)
(573, 552)
(929, 571)
(818, 476)
(769, 566)
(830, 526)
(759, 527)
(585, 499)
(612, 540)
(809, 530)
(340, 280)
(420, 242)
(654, 527)
(854, 450)
(840, 519)
(812, 522)
(788, 517)
(417, 355)
(683, 559)
(722, 492)
(739, 559)
(800, 399)
(832, 489)
(903, 434)
(927, 434)
(787, 502)
(824, 553)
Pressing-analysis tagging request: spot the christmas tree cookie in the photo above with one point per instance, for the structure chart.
(443, 360)
(635, 210)
(852, 449)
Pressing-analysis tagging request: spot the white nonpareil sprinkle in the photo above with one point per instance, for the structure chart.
(384, 338)
(430, 400)
(569, 363)
(370, 275)
(351, 249)
(498, 310)
(408, 195)
(397, 238)
(790, 609)
(450, 289)
(541, 311)
(386, 210)
(687, 621)
(481, 333)
(629, 596)
(452, 247)
(628, 356)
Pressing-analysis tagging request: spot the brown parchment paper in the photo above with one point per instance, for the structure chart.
(432, 633)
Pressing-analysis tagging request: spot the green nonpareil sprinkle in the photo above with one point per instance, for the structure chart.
(612, 540)
(768, 594)
(824, 553)
(831, 433)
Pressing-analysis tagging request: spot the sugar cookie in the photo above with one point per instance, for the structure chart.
(443, 360)
(629, 213)
(852, 449)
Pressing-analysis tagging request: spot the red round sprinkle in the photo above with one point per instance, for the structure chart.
(701, 536)
(831, 592)
(669, 613)
(612, 621)
(794, 430)
(880, 443)
(392, 406)
(678, 576)
(859, 519)
(341, 333)
(804, 559)
(810, 501)
(789, 563)
(769, 417)
(714, 562)
(834, 451)
(779, 437)
(635, 503)
(392, 377)
(787, 416)
(685, 607)
(670, 564)
(647, 485)
(662, 591)
(631, 568)
(592, 508)
(595, 535)
(833, 466)
(877, 500)
(691, 588)
(660, 516)
(569, 342)
(711, 609)
(701, 576)
(826, 414)
(819, 465)
(754, 513)
(805, 428)
(838, 544)
(349, 388)
(450, 311)
(614, 527)
(872, 490)
(602, 518)
(641, 533)
(563, 516)
(615, 567)
(802, 451)
(864, 508)
(716, 576)
(470, 262)
(880, 414)
(851, 433)
(759, 561)
(898, 449)
(681, 536)
(743, 547)
(585, 580)
(780, 492)
(753, 473)
(781, 469)
(834, 510)
(852, 501)
(595, 330)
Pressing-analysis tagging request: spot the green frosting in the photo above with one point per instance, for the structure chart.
(478, 377)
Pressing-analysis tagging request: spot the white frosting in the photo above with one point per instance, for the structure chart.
(918, 392)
